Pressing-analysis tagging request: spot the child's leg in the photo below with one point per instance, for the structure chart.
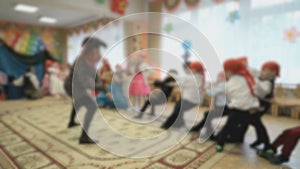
(132, 101)
(172, 118)
(143, 109)
(292, 137)
(152, 110)
(176, 117)
(214, 113)
(235, 117)
(72, 118)
(280, 140)
(201, 123)
(261, 132)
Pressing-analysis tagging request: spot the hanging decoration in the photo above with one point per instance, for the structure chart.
(192, 4)
(95, 25)
(100, 1)
(118, 6)
(168, 28)
(218, 1)
(171, 5)
(291, 35)
(233, 16)
(27, 44)
(29, 40)
(186, 45)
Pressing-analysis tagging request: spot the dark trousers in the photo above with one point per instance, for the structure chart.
(176, 118)
(91, 107)
(289, 139)
(145, 106)
(215, 114)
(260, 129)
(265, 106)
(237, 122)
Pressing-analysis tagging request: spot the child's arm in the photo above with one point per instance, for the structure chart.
(262, 88)
(34, 81)
(220, 88)
(19, 81)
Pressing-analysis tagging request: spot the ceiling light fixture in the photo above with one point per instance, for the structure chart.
(49, 20)
(26, 8)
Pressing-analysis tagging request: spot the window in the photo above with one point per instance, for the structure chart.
(265, 3)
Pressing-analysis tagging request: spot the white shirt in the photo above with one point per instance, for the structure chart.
(32, 77)
(239, 94)
(190, 86)
(262, 88)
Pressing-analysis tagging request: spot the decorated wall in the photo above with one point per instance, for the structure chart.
(28, 40)
(110, 33)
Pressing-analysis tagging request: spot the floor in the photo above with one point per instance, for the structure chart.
(234, 156)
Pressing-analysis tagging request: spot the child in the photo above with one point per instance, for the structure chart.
(264, 91)
(56, 87)
(138, 88)
(80, 83)
(119, 99)
(218, 92)
(288, 139)
(190, 85)
(30, 83)
(104, 99)
(241, 99)
(166, 89)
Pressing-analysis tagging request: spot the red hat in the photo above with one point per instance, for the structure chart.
(197, 66)
(274, 66)
(234, 65)
(237, 66)
(244, 60)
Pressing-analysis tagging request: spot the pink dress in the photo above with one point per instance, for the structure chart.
(138, 87)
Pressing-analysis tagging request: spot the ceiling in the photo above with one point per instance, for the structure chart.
(69, 13)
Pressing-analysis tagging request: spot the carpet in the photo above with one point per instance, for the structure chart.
(33, 134)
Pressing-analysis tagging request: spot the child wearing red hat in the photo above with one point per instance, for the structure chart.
(264, 88)
(241, 99)
(189, 85)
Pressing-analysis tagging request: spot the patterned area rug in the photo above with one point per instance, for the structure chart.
(33, 134)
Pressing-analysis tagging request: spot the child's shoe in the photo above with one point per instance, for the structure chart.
(219, 148)
(278, 159)
(267, 154)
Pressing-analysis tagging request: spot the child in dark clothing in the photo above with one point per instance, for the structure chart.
(166, 89)
(218, 92)
(192, 86)
(30, 84)
(264, 91)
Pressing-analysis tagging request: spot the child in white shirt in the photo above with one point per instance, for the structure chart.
(191, 86)
(241, 99)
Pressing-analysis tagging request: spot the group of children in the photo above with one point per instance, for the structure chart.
(244, 99)
(52, 83)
